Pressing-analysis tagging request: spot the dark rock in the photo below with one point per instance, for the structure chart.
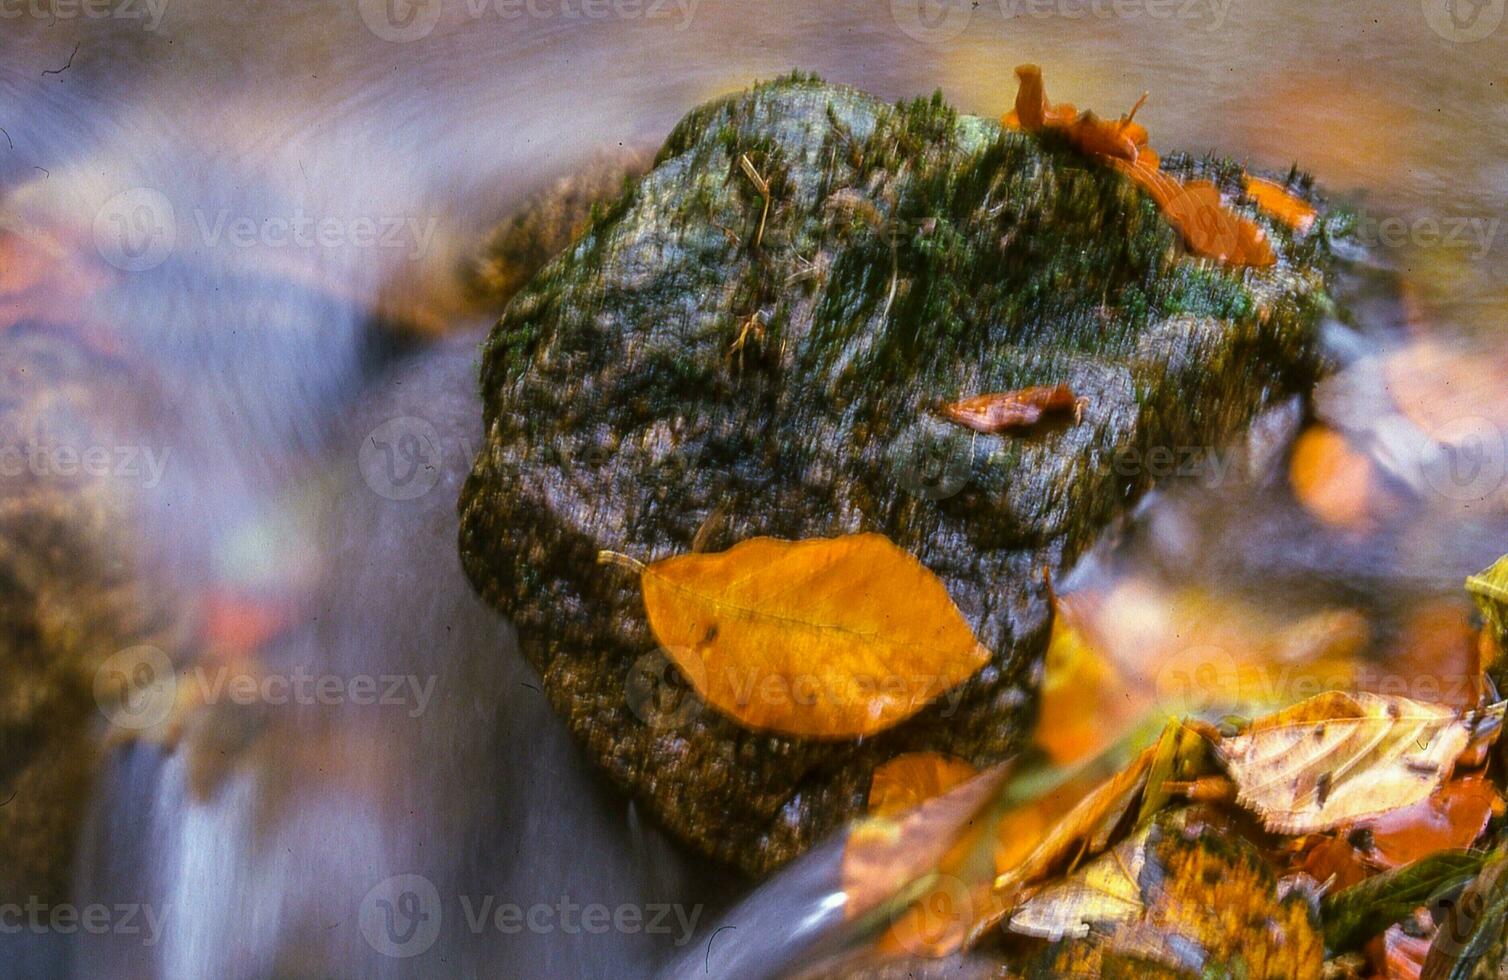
(689, 366)
(545, 223)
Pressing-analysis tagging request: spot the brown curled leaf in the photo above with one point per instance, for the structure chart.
(1274, 199)
(1008, 410)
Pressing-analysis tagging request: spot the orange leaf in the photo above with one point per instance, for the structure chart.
(883, 855)
(1195, 209)
(1330, 857)
(1073, 822)
(1454, 817)
(911, 779)
(831, 637)
(1274, 199)
(1334, 482)
(1003, 411)
(1085, 702)
(1095, 136)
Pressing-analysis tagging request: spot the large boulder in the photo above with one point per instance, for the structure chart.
(694, 371)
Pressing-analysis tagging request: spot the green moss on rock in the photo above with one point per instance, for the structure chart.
(677, 371)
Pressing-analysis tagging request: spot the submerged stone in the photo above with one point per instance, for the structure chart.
(694, 371)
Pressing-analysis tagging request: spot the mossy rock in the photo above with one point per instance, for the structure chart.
(693, 371)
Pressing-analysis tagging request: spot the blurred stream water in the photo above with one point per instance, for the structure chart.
(266, 205)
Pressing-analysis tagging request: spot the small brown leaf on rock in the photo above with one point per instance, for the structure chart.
(1009, 410)
(1275, 199)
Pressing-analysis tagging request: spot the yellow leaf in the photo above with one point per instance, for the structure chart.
(1339, 757)
(913, 778)
(831, 637)
(1084, 703)
(1103, 891)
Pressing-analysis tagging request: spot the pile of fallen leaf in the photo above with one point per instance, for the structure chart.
(1209, 227)
(1336, 836)
(1348, 835)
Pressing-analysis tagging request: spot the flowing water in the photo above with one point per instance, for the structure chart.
(264, 207)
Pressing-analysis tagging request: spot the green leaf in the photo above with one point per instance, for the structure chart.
(1470, 940)
(1354, 915)
(1489, 588)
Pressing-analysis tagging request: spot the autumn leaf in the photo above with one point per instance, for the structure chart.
(1195, 209)
(885, 854)
(1338, 757)
(1198, 213)
(1121, 139)
(1008, 410)
(1039, 819)
(1275, 199)
(1396, 955)
(911, 779)
(1210, 907)
(1333, 481)
(830, 637)
(1453, 817)
(1073, 820)
(1105, 890)
(1084, 702)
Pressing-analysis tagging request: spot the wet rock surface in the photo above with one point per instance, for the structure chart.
(695, 371)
